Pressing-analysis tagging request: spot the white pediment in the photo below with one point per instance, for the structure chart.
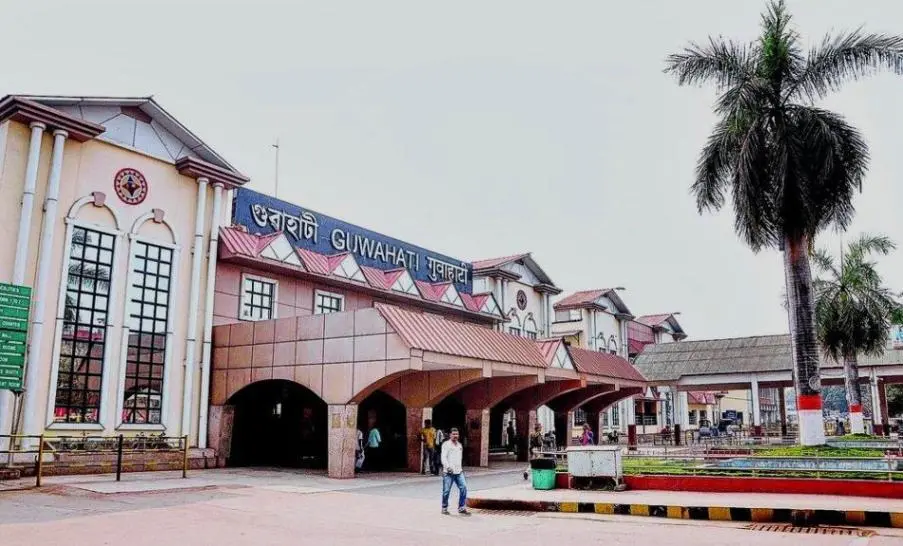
(526, 276)
(562, 358)
(451, 296)
(349, 269)
(281, 250)
(145, 136)
(404, 283)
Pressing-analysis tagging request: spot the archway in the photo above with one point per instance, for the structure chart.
(450, 413)
(389, 417)
(278, 423)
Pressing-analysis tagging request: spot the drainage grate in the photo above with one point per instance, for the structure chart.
(522, 513)
(820, 530)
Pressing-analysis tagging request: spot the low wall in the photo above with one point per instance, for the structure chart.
(719, 484)
(105, 463)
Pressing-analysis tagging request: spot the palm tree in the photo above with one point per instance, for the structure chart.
(790, 167)
(853, 311)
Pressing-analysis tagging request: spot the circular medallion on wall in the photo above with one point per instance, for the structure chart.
(131, 186)
(521, 300)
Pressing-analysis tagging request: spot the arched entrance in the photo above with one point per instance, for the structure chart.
(278, 423)
(389, 417)
(450, 413)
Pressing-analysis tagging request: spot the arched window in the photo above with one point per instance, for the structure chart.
(600, 342)
(530, 329)
(514, 325)
(612, 345)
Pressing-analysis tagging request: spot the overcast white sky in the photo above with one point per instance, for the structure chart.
(475, 129)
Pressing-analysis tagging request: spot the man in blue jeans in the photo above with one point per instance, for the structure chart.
(453, 472)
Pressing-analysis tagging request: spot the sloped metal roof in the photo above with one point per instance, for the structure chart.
(605, 364)
(435, 334)
(671, 361)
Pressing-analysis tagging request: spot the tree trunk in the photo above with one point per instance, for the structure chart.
(803, 343)
(854, 396)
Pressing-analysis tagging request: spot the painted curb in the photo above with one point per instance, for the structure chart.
(701, 513)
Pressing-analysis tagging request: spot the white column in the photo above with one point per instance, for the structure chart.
(684, 415)
(31, 412)
(547, 304)
(21, 259)
(592, 342)
(31, 178)
(194, 298)
(208, 312)
(756, 412)
(877, 418)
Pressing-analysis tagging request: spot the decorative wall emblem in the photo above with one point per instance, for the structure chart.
(521, 300)
(131, 186)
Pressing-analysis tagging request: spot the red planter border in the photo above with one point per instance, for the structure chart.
(718, 484)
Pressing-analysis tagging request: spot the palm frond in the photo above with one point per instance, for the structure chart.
(714, 168)
(723, 62)
(843, 58)
(834, 159)
(824, 263)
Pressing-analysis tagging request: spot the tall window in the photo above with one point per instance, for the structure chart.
(530, 327)
(327, 302)
(692, 417)
(258, 298)
(615, 416)
(151, 272)
(84, 338)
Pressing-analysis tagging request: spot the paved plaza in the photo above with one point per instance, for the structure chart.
(269, 506)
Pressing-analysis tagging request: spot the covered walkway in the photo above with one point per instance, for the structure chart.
(332, 366)
(755, 363)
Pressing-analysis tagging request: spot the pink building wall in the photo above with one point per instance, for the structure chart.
(295, 297)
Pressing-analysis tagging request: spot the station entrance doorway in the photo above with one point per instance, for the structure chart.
(278, 423)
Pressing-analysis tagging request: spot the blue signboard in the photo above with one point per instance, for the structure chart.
(263, 214)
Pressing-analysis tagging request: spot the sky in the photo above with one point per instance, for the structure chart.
(476, 129)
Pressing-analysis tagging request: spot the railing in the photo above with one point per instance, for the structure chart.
(706, 464)
(21, 444)
(85, 445)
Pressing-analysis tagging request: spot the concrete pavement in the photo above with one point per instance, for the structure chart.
(754, 507)
(271, 506)
(252, 515)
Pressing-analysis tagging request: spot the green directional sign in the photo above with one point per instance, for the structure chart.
(20, 302)
(7, 336)
(13, 313)
(12, 348)
(15, 290)
(13, 324)
(15, 302)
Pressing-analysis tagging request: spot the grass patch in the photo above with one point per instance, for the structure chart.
(653, 466)
(818, 451)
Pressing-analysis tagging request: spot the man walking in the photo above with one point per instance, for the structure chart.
(428, 439)
(453, 472)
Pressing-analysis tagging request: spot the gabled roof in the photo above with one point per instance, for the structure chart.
(659, 321)
(588, 299)
(435, 334)
(486, 267)
(701, 397)
(153, 129)
(496, 262)
(669, 362)
(605, 364)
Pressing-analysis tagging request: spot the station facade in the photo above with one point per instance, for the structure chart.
(166, 298)
(327, 331)
(111, 210)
